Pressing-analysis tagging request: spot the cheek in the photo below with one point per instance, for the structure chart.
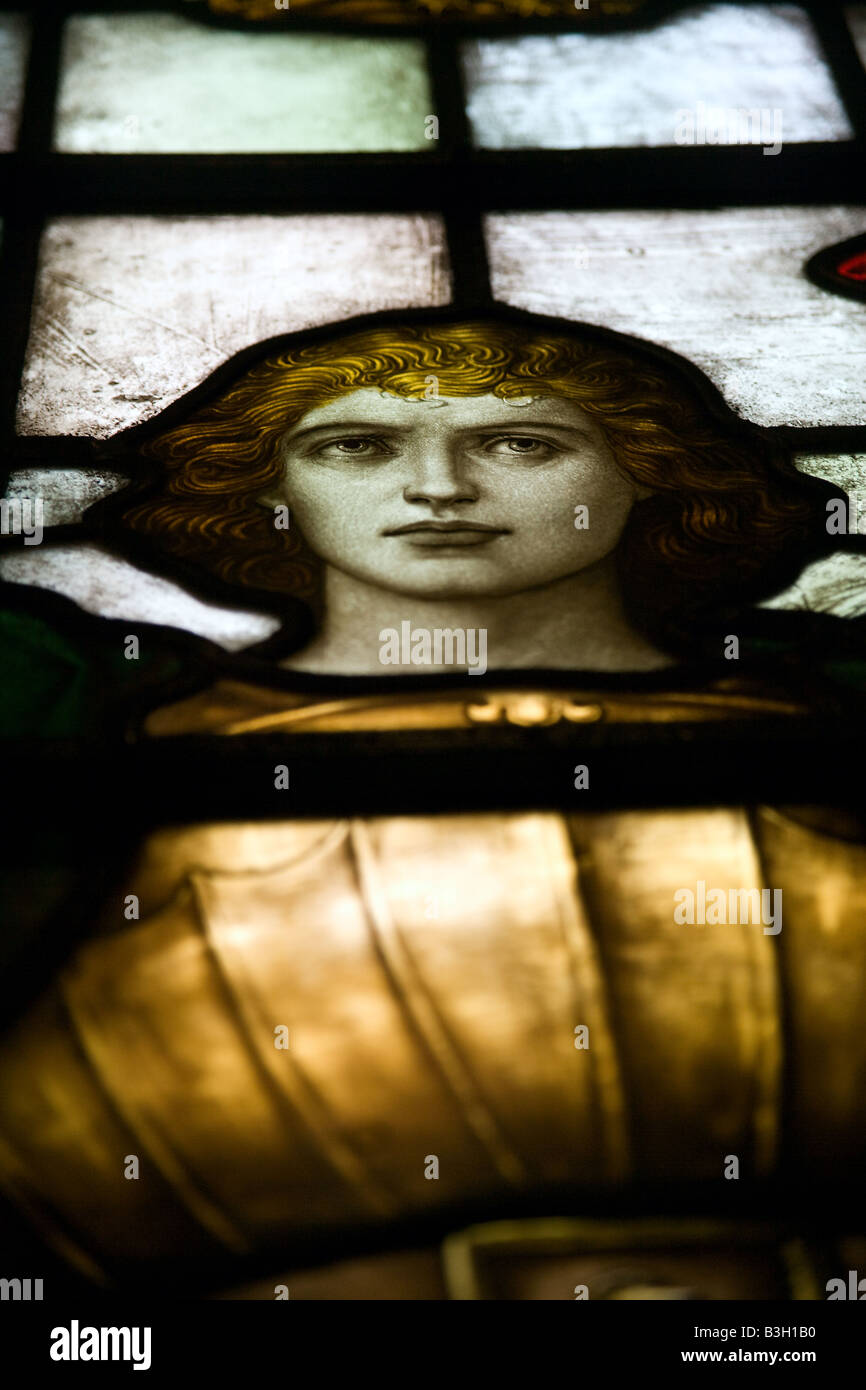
(315, 503)
(333, 513)
(548, 506)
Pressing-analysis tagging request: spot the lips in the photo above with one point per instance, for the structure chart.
(439, 535)
(443, 526)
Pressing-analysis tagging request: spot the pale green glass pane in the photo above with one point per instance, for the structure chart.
(750, 74)
(14, 43)
(162, 84)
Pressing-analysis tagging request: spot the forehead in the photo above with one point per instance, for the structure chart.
(371, 406)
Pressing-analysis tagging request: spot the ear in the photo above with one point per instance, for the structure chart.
(642, 493)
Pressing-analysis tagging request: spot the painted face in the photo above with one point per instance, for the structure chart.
(453, 497)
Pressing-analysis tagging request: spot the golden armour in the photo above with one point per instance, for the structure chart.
(308, 1013)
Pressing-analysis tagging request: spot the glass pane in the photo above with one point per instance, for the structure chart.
(158, 83)
(113, 588)
(62, 494)
(131, 312)
(836, 584)
(718, 74)
(725, 288)
(14, 42)
(848, 473)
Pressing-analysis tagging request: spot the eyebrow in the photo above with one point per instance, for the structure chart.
(493, 427)
(344, 425)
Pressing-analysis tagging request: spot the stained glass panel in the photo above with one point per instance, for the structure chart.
(110, 587)
(159, 83)
(432, 700)
(679, 83)
(133, 311)
(65, 493)
(679, 278)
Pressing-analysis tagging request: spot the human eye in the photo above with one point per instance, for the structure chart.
(521, 446)
(352, 446)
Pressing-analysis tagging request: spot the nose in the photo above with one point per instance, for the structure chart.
(440, 476)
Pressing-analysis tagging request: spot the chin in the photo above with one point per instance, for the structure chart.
(455, 590)
(444, 580)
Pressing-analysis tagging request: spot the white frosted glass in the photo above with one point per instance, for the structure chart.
(161, 84)
(65, 493)
(835, 584)
(561, 91)
(130, 312)
(725, 288)
(14, 44)
(845, 471)
(101, 583)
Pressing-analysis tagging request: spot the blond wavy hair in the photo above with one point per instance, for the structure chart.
(727, 505)
(403, 11)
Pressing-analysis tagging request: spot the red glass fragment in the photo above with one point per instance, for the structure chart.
(854, 268)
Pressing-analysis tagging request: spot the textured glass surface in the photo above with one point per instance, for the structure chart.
(103, 584)
(159, 83)
(836, 584)
(846, 471)
(65, 493)
(14, 43)
(130, 312)
(582, 90)
(725, 288)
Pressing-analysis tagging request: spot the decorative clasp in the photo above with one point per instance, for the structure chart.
(531, 709)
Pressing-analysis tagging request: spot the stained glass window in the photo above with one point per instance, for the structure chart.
(433, 566)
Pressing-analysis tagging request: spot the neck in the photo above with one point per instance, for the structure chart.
(575, 623)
